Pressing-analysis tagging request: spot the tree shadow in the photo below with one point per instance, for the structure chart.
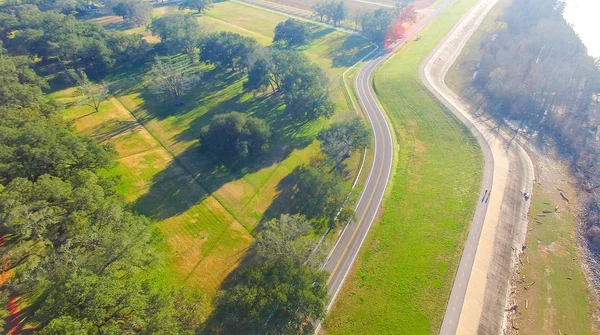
(319, 32)
(211, 85)
(290, 199)
(195, 174)
(119, 26)
(352, 50)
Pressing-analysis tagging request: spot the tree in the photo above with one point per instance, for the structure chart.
(93, 94)
(32, 146)
(21, 86)
(399, 7)
(234, 136)
(339, 140)
(286, 237)
(408, 14)
(320, 10)
(277, 297)
(76, 245)
(169, 81)
(129, 49)
(179, 33)
(376, 24)
(228, 50)
(318, 196)
(337, 12)
(259, 75)
(306, 93)
(63, 6)
(334, 11)
(292, 32)
(137, 12)
(200, 6)
(357, 16)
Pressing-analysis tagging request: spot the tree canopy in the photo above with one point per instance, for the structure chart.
(331, 11)
(234, 135)
(200, 6)
(277, 297)
(180, 33)
(71, 244)
(137, 12)
(74, 45)
(376, 24)
(228, 50)
(286, 237)
(341, 139)
(169, 81)
(292, 32)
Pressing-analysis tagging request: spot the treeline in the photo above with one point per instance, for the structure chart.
(62, 41)
(536, 75)
(377, 25)
(78, 258)
(76, 254)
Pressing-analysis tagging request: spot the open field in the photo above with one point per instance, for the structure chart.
(206, 213)
(405, 271)
(552, 293)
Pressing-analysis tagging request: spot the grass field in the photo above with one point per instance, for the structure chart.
(403, 276)
(554, 288)
(206, 214)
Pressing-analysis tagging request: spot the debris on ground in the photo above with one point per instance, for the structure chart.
(562, 194)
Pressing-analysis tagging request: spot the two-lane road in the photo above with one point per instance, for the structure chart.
(346, 249)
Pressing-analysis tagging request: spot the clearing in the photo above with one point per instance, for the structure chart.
(205, 213)
(405, 271)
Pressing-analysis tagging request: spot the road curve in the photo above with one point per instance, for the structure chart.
(480, 289)
(346, 249)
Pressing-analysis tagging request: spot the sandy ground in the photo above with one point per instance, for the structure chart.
(478, 299)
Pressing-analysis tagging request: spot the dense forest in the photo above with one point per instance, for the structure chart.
(538, 78)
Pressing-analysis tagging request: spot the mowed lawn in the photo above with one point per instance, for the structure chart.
(403, 276)
(206, 213)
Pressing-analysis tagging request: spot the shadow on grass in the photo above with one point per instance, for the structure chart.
(353, 49)
(119, 26)
(195, 173)
(320, 32)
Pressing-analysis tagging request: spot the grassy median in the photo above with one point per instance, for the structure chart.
(403, 276)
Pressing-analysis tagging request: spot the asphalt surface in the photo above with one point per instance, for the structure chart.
(346, 249)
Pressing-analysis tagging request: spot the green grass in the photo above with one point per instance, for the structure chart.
(555, 287)
(403, 276)
(206, 214)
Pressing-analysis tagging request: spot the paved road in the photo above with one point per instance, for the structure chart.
(346, 249)
(508, 171)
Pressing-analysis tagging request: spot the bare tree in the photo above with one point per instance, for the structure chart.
(93, 94)
(170, 81)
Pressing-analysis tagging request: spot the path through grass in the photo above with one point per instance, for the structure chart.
(403, 276)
